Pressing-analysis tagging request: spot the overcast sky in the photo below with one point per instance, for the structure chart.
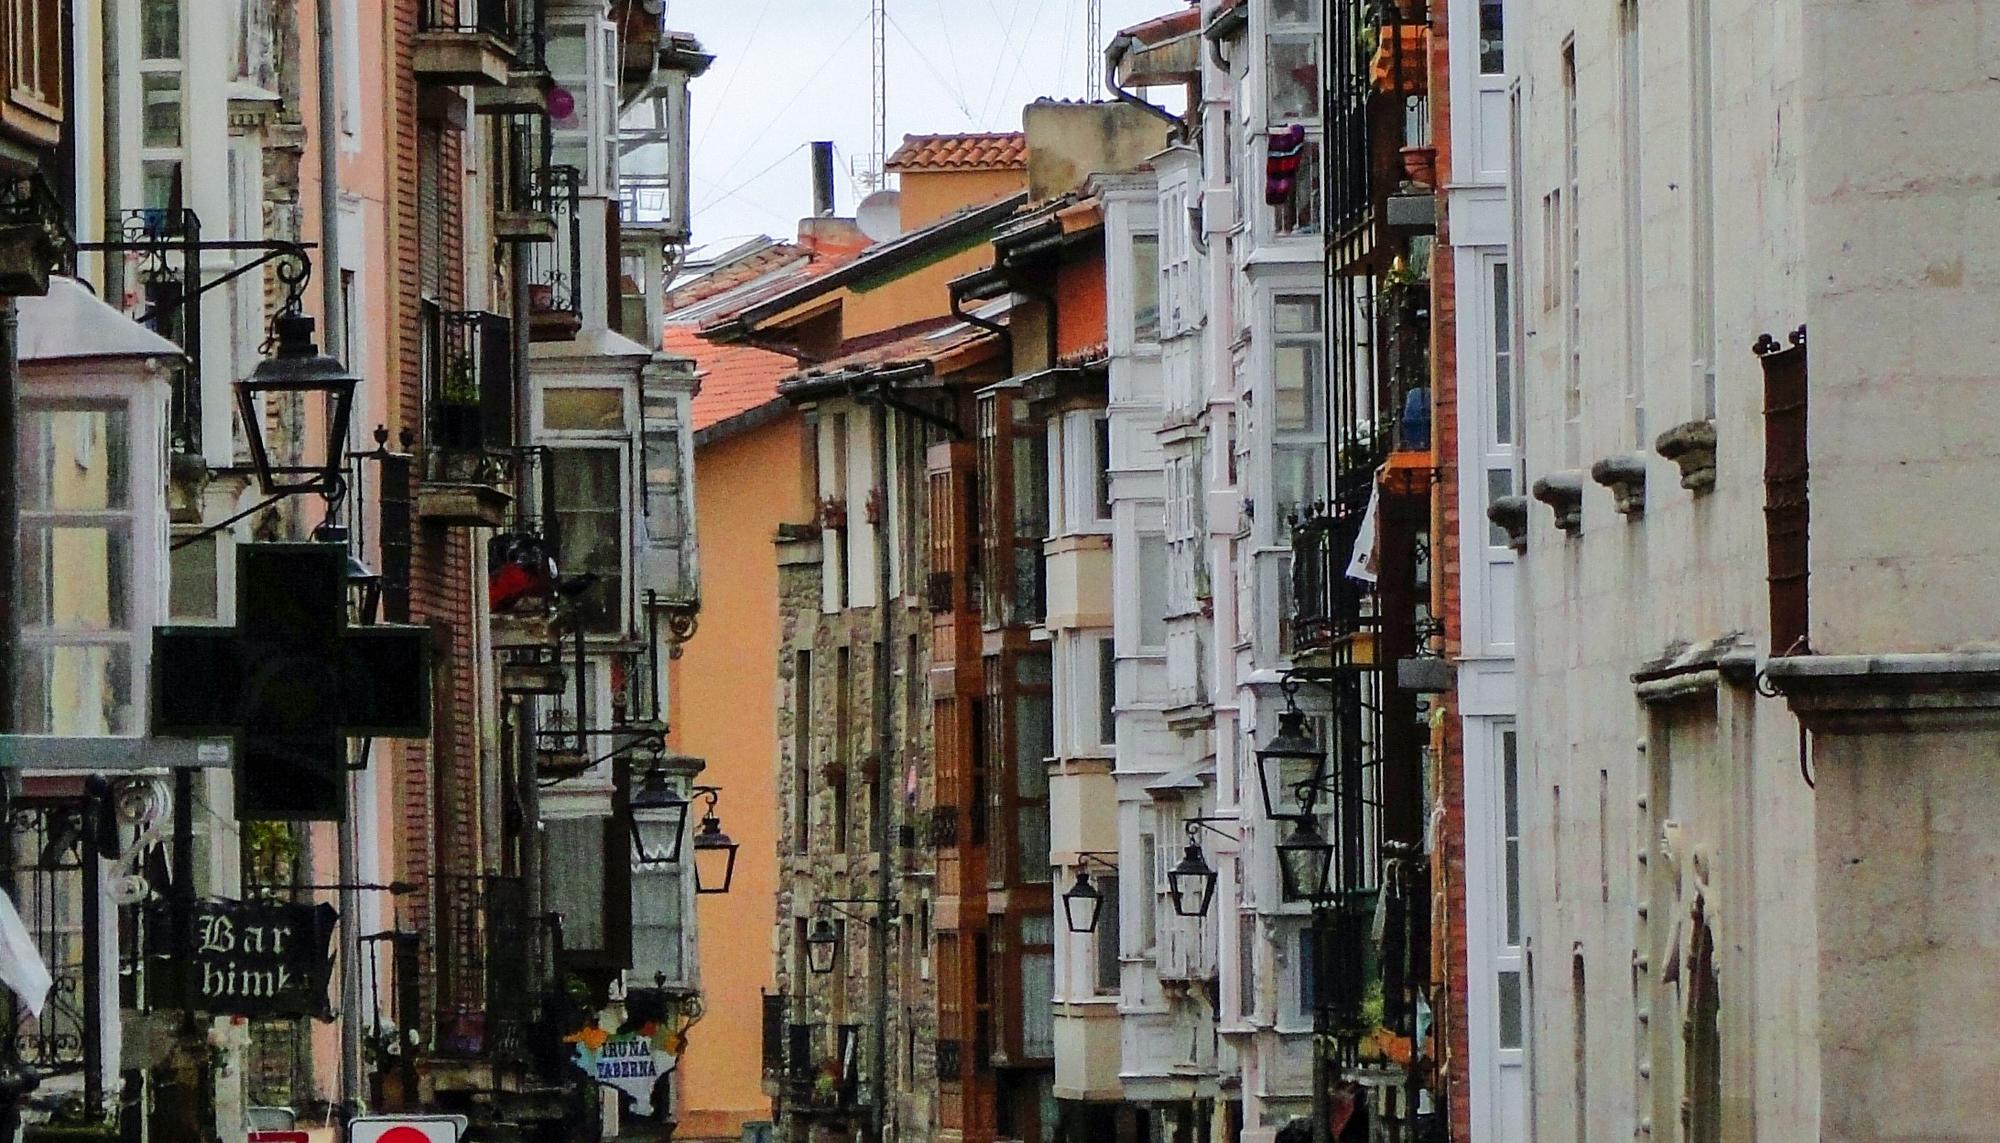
(790, 71)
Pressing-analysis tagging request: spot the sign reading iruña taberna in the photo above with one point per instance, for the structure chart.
(244, 958)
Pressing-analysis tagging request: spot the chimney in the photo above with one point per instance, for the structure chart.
(822, 179)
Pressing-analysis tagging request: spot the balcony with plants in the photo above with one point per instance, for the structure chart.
(555, 268)
(469, 461)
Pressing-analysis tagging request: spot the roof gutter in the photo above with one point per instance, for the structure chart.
(1115, 55)
(958, 291)
(880, 395)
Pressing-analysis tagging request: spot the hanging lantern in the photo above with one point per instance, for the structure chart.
(298, 367)
(823, 946)
(1291, 767)
(1082, 904)
(1305, 861)
(659, 820)
(1191, 883)
(714, 854)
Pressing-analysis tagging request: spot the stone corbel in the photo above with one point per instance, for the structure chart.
(1563, 493)
(1692, 446)
(1625, 476)
(1511, 514)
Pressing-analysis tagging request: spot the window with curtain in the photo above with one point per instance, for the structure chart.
(1038, 986)
(658, 922)
(1106, 974)
(589, 514)
(574, 861)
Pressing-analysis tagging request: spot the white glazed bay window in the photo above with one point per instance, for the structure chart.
(1297, 416)
(84, 478)
(1292, 96)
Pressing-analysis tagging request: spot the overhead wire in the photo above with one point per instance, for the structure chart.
(749, 43)
(950, 88)
(800, 91)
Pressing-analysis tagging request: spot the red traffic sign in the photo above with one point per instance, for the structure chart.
(406, 1129)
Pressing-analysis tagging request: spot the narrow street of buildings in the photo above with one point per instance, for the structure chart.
(1130, 571)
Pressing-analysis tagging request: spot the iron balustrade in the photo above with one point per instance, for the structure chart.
(468, 382)
(483, 989)
(496, 18)
(526, 140)
(555, 269)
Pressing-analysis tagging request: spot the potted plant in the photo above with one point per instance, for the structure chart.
(455, 407)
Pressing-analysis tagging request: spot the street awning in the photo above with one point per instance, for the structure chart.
(72, 323)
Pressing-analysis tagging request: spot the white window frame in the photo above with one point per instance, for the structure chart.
(625, 442)
(1308, 440)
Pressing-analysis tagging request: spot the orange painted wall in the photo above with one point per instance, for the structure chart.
(930, 195)
(1080, 305)
(725, 710)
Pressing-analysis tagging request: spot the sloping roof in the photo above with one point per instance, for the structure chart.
(735, 379)
(926, 342)
(1162, 28)
(71, 322)
(733, 273)
(978, 151)
(952, 228)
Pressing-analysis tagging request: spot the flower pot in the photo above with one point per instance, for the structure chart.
(1420, 165)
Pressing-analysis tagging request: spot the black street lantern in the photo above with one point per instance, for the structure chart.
(822, 946)
(364, 585)
(1082, 904)
(1305, 861)
(659, 820)
(1291, 766)
(714, 853)
(298, 367)
(1191, 883)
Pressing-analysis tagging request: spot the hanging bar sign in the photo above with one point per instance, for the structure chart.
(245, 958)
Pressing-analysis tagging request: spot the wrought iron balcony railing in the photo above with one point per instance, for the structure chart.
(496, 18)
(555, 269)
(468, 382)
(483, 987)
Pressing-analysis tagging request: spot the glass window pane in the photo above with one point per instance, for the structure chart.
(1300, 213)
(575, 863)
(1296, 371)
(191, 590)
(1107, 691)
(1492, 38)
(1152, 591)
(1107, 935)
(1503, 358)
(160, 29)
(1499, 483)
(1101, 430)
(1296, 313)
(1294, 11)
(656, 923)
(76, 578)
(161, 184)
(1510, 1009)
(585, 409)
(1145, 287)
(1038, 987)
(160, 93)
(1511, 791)
(82, 689)
(590, 536)
(1294, 78)
(74, 460)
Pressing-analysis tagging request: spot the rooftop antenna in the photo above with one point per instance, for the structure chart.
(1093, 49)
(878, 28)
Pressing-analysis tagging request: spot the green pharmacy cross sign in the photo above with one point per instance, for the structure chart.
(291, 682)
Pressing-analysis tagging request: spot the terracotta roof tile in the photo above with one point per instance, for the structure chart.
(725, 278)
(734, 378)
(990, 151)
(931, 339)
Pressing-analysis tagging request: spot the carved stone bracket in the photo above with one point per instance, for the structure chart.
(1692, 446)
(1563, 493)
(1511, 514)
(1625, 476)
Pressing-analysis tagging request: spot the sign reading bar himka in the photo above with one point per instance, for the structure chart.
(243, 958)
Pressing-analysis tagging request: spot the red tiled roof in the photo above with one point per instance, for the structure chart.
(734, 378)
(990, 151)
(932, 339)
(726, 278)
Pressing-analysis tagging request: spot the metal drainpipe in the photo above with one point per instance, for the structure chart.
(1113, 56)
(9, 528)
(333, 337)
(112, 150)
(885, 786)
